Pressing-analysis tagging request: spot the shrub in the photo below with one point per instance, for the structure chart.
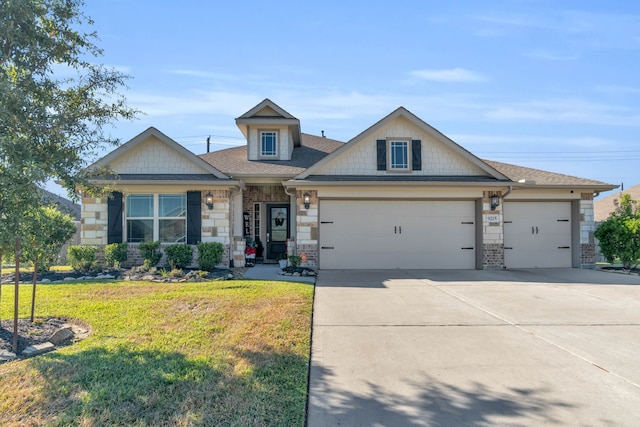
(115, 254)
(176, 272)
(179, 255)
(209, 255)
(294, 260)
(150, 253)
(619, 235)
(82, 257)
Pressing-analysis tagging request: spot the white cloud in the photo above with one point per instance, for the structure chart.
(567, 111)
(549, 56)
(448, 75)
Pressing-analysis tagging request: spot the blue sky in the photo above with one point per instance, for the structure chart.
(545, 84)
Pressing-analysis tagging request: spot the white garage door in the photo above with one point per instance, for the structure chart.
(367, 234)
(537, 234)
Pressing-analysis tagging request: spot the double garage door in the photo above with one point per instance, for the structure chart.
(386, 234)
(369, 234)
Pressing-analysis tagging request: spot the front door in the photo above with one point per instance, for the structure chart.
(277, 230)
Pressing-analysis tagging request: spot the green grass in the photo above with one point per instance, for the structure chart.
(57, 268)
(232, 353)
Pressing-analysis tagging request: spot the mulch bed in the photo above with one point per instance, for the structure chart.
(620, 270)
(38, 332)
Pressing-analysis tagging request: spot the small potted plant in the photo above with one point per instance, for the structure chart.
(282, 260)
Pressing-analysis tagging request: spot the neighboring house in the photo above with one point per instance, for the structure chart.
(66, 207)
(398, 195)
(605, 206)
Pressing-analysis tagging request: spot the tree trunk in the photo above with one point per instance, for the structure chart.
(15, 303)
(0, 288)
(35, 280)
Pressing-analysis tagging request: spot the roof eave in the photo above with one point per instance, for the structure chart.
(304, 183)
(212, 183)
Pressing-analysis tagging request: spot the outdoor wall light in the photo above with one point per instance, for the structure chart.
(307, 200)
(208, 200)
(495, 202)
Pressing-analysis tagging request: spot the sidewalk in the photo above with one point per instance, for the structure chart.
(272, 272)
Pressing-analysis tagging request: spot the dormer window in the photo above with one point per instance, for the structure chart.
(268, 143)
(399, 155)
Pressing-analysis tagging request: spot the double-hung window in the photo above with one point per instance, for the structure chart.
(268, 143)
(151, 217)
(399, 155)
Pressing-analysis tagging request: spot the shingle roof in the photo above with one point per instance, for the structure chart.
(64, 205)
(233, 161)
(540, 177)
(604, 207)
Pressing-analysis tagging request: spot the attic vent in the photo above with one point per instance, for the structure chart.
(323, 134)
(526, 181)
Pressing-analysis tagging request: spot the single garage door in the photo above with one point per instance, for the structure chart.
(366, 234)
(537, 234)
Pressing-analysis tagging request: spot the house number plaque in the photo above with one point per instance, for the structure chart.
(493, 218)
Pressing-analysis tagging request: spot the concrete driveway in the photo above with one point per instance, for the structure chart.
(475, 348)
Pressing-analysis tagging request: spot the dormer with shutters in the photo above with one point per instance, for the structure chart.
(271, 132)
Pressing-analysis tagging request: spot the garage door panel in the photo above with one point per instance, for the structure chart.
(397, 234)
(537, 234)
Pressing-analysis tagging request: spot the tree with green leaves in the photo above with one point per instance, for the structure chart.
(619, 235)
(49, 230)
(55, 103)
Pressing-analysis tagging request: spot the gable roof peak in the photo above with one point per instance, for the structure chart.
(163, 138)
(266, 103)
(420, 124)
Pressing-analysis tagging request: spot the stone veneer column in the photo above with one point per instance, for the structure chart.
(587, 228)
(492, 232)
(307, 228)
(216, 223)
(93, 221)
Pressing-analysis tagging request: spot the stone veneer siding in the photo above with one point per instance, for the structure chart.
(492, 232)
(93, 221)
(587, 229)
(307, 228)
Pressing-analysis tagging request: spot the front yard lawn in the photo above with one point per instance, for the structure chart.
(231, 353)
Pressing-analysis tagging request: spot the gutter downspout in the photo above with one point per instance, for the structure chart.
(508, 192)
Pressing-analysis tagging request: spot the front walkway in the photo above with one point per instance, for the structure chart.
(272, 272)
(435, 348)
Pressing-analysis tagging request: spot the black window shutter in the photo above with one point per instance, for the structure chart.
(194, 218)
(416, 155)
(382, 154)
(114, 218)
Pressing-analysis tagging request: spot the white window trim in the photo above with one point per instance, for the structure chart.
(390, 167)
(156, 217)
(260, 152)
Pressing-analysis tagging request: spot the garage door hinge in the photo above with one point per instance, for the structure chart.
(508, 222)
(563, 220)
(506, 247)
(326, 247)
(564, 247)
(466, 222)
(466, 248)
(326, 222)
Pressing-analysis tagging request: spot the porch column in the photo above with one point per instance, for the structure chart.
(238, 225)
